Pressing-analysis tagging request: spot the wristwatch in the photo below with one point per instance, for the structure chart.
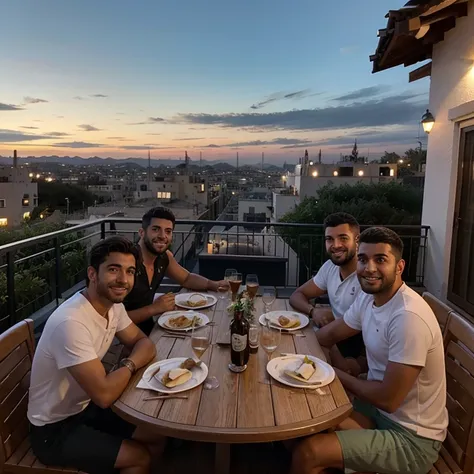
(129, 364)
(312, 308)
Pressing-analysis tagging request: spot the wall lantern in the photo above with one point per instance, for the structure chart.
(427, 121)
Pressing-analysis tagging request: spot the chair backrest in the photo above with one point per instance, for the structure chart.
(17, 346)
(459, 350)
(440, 309)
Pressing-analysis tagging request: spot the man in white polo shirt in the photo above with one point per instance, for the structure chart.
(337, 278)
(70, 392)
(399, 419)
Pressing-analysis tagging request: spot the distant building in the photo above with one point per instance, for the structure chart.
(192, 189)
(18, 194)
(310, 176)
(283, 202)
(255, 206)
(114, 189)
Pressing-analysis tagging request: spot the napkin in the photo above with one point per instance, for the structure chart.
(145, 383)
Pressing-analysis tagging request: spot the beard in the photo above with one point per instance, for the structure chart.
(378, 286)
(150, 247)
(345, 258)
(106, 291)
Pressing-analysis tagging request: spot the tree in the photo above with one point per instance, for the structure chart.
(354, 157)
(387, 203)
(416, 157)
(390, 157)
(35, 277)
(53, 195)
(371, 204)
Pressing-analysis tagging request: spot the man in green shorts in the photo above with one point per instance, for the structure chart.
(399, 419)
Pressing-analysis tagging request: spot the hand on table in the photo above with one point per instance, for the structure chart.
(322, 316)
(223, 284)
(164, 303)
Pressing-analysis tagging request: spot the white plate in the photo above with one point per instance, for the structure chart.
(199, 375)
(163, 319)
(273, 317)
(324, 372)
(182, 298)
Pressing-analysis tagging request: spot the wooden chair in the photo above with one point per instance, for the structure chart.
(17, 346)
(457, 452)
(440, 309)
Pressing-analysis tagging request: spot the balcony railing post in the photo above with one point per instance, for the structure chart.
(57, 258)
(102, 230)
(11, 287)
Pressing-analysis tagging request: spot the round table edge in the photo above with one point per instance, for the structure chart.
(234, 435)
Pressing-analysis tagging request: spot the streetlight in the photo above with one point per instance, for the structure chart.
(67, 207)
(427, 121)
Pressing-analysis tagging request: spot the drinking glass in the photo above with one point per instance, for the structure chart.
(270, 338)
(252, 284)
(268, 298)
(200, 340)
(229, 273)
(254, 337)
(235, 282)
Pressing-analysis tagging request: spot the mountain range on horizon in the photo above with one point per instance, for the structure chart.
(143, 162)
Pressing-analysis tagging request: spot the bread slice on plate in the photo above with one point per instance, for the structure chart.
(175, 377)
(304, 372)
(286, 321)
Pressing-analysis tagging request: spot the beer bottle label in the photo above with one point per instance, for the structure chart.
(239, 343)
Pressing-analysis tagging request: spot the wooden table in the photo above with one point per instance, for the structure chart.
(246, 408)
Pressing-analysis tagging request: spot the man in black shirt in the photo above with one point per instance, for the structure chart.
(156, 235)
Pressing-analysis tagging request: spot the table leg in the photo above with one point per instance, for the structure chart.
(222, 461)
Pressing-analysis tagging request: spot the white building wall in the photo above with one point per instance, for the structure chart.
(310, 185)
(259, 205)
(283, 203)
(290, 180)
(179, 187)
(452, 85)
(19, 184)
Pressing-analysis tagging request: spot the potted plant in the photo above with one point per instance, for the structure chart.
(243, 304)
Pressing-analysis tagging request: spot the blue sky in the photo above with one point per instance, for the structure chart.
(115, 78)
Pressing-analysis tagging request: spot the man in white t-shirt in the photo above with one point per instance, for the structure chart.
(399, 419)
(70, 394)
(337, 278)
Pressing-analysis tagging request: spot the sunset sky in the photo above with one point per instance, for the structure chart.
(116, 78)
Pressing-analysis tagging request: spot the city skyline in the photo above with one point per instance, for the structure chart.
(116, 80)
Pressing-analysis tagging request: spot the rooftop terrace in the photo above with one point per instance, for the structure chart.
(38, 273)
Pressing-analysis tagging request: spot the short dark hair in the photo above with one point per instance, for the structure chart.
(159, 212)
(341, 218)
(102, 249)
(383, 235)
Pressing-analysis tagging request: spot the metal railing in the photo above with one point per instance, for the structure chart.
(38, 271)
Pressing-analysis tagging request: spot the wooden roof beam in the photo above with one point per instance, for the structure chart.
(420, 73)
(412, 25)
(384, 32)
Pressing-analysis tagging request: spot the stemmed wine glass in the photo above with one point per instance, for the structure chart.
(268, 298)
(252, 284)
(228, 275)
(235, 282)
(270, 338)
(200, 340)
